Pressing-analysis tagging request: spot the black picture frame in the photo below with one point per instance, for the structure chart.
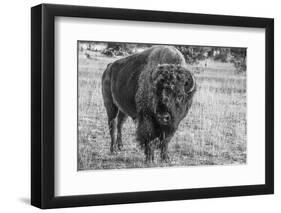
(43, 105)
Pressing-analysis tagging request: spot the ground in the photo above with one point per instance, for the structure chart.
(213, 133)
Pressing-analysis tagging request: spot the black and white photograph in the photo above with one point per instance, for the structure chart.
(146, 105)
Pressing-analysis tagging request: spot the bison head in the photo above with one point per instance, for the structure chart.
(173, 89)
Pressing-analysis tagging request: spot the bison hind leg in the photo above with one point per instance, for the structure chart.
(121, 118)
(112, 131)
(111, 110)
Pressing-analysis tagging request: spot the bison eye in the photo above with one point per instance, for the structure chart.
(180, 98)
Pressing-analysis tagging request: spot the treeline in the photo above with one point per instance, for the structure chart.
(192, 54)
(237, 56)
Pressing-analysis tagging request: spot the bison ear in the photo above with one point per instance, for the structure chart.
(190, 85)
(155, 72)
(153, 75)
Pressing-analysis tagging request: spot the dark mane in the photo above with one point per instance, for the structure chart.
(168, 76)
(153, 87)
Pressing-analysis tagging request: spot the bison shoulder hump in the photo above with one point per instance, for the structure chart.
(167, 54)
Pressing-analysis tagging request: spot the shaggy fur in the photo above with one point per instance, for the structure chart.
(155, 89)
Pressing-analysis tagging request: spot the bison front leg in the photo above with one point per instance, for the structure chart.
(164, 153)
(149, 154)
(145, 136)
(149, 151)
(164, 142)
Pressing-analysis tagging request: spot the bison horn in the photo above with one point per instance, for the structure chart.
(193, 85)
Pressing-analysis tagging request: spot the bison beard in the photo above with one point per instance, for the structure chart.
(155, 89)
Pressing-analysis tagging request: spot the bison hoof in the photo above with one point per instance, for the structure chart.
(113, 150)
(149, 162)
(165, 158)
(120, 146)
(149, 159)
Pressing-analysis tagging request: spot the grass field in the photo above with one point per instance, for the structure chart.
(213, 133)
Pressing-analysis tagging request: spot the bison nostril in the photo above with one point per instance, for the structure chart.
(165, 117)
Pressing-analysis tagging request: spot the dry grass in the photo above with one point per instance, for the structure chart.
(213, 133)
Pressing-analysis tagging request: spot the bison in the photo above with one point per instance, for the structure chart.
(155, 89)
